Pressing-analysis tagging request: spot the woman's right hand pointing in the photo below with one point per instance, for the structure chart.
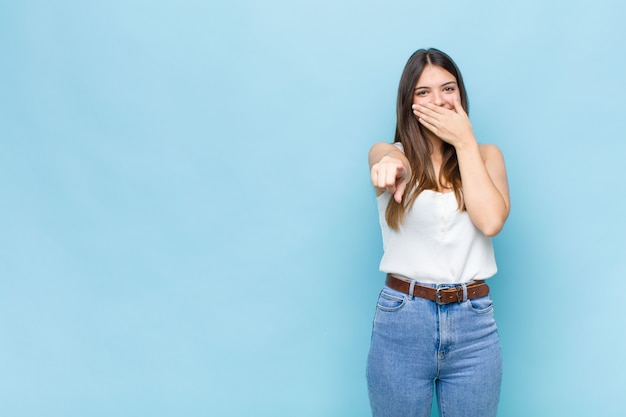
(389, 174)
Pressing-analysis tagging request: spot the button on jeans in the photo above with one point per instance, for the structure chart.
(417, 344)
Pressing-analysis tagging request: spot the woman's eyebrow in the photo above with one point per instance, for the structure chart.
(442, 85)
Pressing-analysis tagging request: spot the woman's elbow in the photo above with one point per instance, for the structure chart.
(492, 226)
(491, 230)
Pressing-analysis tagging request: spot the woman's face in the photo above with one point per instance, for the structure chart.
(436, 86)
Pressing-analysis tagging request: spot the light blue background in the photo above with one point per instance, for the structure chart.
(187, 226)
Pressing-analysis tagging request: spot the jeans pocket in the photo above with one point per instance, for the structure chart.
(390, 302)
(481, 305)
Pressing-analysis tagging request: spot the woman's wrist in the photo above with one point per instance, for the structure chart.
(466, 142)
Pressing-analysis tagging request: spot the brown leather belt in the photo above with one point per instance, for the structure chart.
(475, 289)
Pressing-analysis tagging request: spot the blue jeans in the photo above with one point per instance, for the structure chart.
(417, 343)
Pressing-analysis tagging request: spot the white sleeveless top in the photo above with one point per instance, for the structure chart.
(436, 244)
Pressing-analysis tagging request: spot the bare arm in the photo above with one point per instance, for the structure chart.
(483, 173)
(389, 169)
(485, 186)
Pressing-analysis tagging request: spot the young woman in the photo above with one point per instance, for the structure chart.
(441, 197)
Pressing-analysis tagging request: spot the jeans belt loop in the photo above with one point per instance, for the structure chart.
(411, 289)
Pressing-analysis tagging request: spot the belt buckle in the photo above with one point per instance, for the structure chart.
(438, 297)
(441, 302)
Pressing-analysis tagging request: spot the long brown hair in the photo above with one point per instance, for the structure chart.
(417, 148)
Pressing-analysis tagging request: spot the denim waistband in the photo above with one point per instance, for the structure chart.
(433, 285)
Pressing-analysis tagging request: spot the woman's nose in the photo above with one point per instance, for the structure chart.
(437, 99)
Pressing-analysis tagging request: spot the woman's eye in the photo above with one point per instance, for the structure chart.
(421, 93)
(448, 89)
